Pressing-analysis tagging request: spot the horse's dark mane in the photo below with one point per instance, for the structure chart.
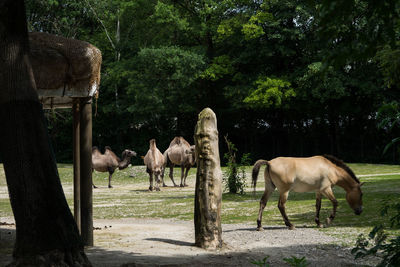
(342, 165)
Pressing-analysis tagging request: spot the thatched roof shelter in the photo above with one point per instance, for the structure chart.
(64, 69)
(67, 75)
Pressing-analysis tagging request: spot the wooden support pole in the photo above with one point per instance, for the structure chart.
(208, 196)
(77, 162)
(86, 171)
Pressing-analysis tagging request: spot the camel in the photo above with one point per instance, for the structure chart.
(108, 161)
(154, 162)
(181, 153)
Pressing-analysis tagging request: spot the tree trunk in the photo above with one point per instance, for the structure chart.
(46, 233)
(208, 196)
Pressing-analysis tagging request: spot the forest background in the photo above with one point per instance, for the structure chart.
(285, 78)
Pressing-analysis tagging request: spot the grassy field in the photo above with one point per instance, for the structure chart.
(130, 198)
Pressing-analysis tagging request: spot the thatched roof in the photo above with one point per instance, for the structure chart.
(63, 69)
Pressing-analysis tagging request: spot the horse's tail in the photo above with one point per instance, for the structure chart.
(256, 170)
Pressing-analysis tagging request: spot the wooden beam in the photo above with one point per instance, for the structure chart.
(86, 171)
(77, 162)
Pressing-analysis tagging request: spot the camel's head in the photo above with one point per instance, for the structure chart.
(128, 153)
(192, 152)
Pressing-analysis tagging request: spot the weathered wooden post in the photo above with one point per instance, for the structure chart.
(208, 196)
(86, 171)
(77, 161)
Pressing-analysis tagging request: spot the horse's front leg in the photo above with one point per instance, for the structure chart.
(318, 208)
(329, 194)
(281, 205)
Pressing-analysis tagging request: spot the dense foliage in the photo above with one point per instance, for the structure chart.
(292, 77)
(378, 242)
(234, 176)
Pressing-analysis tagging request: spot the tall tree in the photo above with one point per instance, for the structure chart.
(46, 233)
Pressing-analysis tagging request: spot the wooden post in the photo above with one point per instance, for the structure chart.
(208, 196)
(86, 171)
(77, 162)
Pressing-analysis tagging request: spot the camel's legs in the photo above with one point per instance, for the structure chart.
(281, 205)
(92, 181)
(109, 178)
(171, 175)
(151, 181)
(329, 194)
(182, 175)
(157, 182)
(186, 174)
(318, 208)
(263, 202)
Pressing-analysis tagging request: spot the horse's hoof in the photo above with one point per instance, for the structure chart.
(320, 225)
(175, 185)
(157, 189)
(150, 188)
(186, 185)
(164, 185)
(110, 186)
(292, 227)
(95, 187)
(181, 185)
(260, 229)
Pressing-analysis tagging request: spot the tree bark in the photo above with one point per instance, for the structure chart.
(208, 196)
(46, 233)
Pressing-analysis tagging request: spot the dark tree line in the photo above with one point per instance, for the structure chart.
(291, 77)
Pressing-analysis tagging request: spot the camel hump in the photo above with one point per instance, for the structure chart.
(179, 140)
(107, 148)
(95, 148)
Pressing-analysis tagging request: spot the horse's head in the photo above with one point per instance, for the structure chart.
(354, 198)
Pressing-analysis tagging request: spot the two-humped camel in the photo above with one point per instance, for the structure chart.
(181, 153)
(154, 162)
(108, 161)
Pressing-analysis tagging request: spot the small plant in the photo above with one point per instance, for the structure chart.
(297, 262)
(261, 263)
(377, 243)
(235, 176)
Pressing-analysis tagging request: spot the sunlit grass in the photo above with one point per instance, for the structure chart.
(130, 198)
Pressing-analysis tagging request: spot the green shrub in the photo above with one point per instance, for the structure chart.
(235, 175)
(261, 263)
(377, 242)
(297, 262)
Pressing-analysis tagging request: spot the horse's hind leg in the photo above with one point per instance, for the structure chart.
(263, 202)
(318, 208)
(329, 194)
(281, 205)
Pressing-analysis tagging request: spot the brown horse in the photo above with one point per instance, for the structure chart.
(108, 161)
(318, 173)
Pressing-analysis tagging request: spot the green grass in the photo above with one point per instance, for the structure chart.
(130, 198)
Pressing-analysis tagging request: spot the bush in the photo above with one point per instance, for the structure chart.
(377, 244)
(235, 176)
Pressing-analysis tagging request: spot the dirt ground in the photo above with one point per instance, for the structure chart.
(162, 242)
